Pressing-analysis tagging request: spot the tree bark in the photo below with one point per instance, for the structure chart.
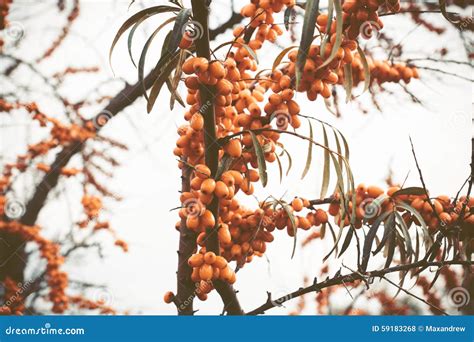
(211, 148)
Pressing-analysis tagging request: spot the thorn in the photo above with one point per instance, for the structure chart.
(269, 297)
(315, 280)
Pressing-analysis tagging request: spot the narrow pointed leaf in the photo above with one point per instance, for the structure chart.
(148, 12)
(338, 41)
(262, 167)
(310, 151)
(311, 10)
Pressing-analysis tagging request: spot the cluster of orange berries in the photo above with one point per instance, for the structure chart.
(56, 279)
(361, 17)
(4, 9)
(243, 233)
(87, 304)
(92, 206)
(14, 301)
(208, 266)
(445, 210)
(382, 71)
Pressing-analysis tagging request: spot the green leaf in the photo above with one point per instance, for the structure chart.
(414, 212)
(141, 62)
(280, 168)
(178, 29)
(329, 24)
(347, 241)
(410, 191)
(160, 81)
(176, 78)
(224, 165)
(310, 151)
(406, 234)
(281, 55)
(369, 239)
(148, 12)
(348, 82)
(322, 231)
(289, 12)
(262, 167)
(337, 43)
(365, 64)
(130, 38)
(326, 167)
(311, 10)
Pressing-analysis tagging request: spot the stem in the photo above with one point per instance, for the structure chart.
(187, 246)
(341, 279)
(211, 148)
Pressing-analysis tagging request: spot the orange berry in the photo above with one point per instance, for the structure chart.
(207, 220)
(297, 204)
(374, 191)
(224, 235)
(221, 190)
(168, 297)
(200, 65)
(321, 216)
(197, 121)
(209, 258)
(196, 260)
(217, 70)
(205, 272)
(234, 148)
(220, 262)
(202, 171)
(208, 186)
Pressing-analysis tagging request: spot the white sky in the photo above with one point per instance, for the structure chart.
(149, 181)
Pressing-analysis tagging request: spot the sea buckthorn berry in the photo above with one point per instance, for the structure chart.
(205, 272)
(196, 260)
(168, 297)
(233, 148)
(217, 70)
(202, 171)
(221, 190)
(208, 186)
(297, 204)
(374, 191)
(209, 258)
(200, 65)
(197, 122)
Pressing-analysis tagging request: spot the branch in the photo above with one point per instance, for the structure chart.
(340, 279)
(211, 148)
(187, 246)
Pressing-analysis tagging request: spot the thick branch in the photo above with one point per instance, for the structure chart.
(211, 148)
(341, 279)
(187, 246)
